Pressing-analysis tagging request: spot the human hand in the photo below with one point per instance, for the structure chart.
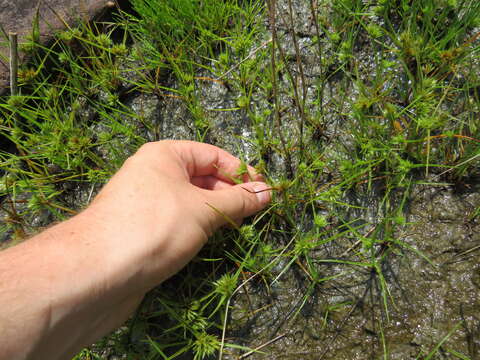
(165, 202)
(73, 283)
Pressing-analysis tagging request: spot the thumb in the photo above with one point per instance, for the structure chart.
(239, 201)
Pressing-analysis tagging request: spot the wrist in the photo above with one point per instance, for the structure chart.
(115, 243)
(135, 243)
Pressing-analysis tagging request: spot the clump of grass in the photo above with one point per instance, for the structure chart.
(189, 36)
(49, 125)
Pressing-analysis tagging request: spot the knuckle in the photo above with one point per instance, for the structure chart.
(147, 147)
(154, 148)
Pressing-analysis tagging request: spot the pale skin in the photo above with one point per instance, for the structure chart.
(78, 280)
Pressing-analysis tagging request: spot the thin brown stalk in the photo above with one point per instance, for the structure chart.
(251, 352)
(13, 39)
(313, 10)
(272, 5)
(300, 102)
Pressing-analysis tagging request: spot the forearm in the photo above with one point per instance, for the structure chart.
(63, 289)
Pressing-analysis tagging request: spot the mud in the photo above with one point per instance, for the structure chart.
(345, 319)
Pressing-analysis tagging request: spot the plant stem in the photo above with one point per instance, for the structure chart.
(272, 5)
(13, 40)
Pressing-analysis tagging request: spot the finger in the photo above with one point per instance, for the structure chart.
(238, 202)
(204, 159)
(209, 183)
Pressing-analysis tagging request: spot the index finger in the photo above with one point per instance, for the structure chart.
(202, 159)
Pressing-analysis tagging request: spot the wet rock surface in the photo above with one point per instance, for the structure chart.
(19, 16)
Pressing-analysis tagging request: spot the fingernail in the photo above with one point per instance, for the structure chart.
(262, 192)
